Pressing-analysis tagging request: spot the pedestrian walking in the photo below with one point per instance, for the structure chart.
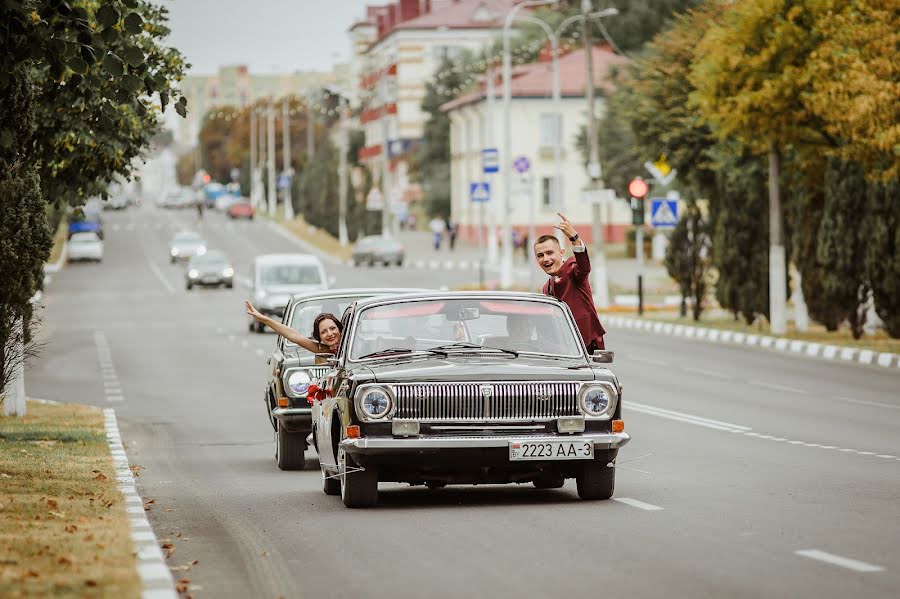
(437, 229)
(569, 281)
(453, 231)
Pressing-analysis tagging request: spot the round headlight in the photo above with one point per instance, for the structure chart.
(298, 382)
(376, 403)
(193, 273)
(595, 401)
(201, 250)
(228, 272)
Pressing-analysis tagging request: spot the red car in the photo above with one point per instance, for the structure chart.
(240, 210)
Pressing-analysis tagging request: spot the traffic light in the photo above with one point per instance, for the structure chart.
(638, 189)
(637, 211)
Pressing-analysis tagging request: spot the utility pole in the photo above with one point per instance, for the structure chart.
(386, 161)
(286, 155)
(253, 154)
(342, 173)
(310, 127)
(600, 285)
(492, 209)
(271, 157)
(260, 156)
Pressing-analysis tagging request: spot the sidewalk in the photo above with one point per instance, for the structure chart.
(622, 272)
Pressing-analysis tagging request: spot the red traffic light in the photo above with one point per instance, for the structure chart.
(206, 178)
(638, 188)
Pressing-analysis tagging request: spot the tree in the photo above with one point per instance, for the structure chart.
(880, 230)
(687, 257)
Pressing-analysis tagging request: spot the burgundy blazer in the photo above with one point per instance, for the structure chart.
(572, 285)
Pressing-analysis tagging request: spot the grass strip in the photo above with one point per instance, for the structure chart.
(59, 240)
(317, 237)
(64, 531)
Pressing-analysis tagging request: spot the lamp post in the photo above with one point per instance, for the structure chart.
(506, 257)
(270, 155)
(286, 151)
(253, 154)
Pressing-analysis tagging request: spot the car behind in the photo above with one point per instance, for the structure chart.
(85, 246)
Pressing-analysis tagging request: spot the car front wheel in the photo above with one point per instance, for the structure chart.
(331, 484)
(596, 481)
(289, 448)
(359, 487)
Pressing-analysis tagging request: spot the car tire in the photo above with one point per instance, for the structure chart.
(400, 262)
(549, 482)
(289, 450)
(188, 286)
(359, 488)
(371, 263)
(172, 260)
(597, 480)
(330, 486)
(229, 285)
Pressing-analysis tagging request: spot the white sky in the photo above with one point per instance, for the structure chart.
(270, 36)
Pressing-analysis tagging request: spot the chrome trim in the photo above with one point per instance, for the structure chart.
(387, 444)
(610, 408)
(361, 392)
(493, 427)
(314, 372)
(279, 412)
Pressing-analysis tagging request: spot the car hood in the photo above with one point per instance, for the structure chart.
(479, 368)
(211, 269)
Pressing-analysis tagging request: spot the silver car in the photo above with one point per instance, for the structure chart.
(186, 245)
(378, 249)
(211, 268)
(277, 277)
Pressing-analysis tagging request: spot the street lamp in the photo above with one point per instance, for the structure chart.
(506, 257)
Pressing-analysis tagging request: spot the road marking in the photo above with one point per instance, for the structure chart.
(709, 373)
(864, 402)
(690, 419)
(837, 560)
(159, 276)
(643, 360)
(638, 504)
(775, 387)
(114, 398)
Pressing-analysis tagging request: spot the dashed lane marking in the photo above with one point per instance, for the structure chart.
(649, 507)
(775, 387)
(864, 402)
(709, 373)
(837, 560)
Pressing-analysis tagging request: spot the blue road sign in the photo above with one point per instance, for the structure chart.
(480, 191)
(663, 213)
(284, 181)
(522, 164)
(490, 160)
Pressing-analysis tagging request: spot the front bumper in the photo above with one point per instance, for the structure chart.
(294, 419)
(425, 444)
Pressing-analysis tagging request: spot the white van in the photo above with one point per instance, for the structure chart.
(276, 277)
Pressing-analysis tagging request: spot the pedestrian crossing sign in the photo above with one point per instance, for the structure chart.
(480, 191)
(663, 213)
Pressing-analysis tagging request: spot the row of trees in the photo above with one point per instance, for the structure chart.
(763, 100)
(82, 87)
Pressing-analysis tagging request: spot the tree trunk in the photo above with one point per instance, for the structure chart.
(777, 263)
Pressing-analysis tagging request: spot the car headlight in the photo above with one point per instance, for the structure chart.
(374, 403)
(598, 400)
(296, 382)
(174, 251)
(201, 250)
(228, 272)
(192, 273)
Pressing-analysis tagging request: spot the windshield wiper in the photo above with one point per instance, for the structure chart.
(470, 345)
(399, 351)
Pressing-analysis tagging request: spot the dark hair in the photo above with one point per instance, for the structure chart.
(544, 238)
(318, 321)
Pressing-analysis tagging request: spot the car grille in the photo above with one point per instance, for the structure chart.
(316, 372)
(486, 402)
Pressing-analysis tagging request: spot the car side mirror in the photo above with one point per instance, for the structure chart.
(325, 360)
(603, 356)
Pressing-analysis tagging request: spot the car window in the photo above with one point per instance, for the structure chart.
(520, 325)
(209, 258)
(303, 314)
(290, 274)
(84, 238)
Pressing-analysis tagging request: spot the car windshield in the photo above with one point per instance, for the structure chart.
(210, 258)
(304, 313)
(289, 274)
(515, 325)
(84, 238)
(187, 238)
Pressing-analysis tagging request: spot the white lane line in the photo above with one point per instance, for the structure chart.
(158, 274)
(775, 387)
(638, 504)
(837, 560)
(690, 419)
(643, 360)
(709, 373)
(864, 402)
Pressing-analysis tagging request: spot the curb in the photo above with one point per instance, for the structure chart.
(57, 266)
(156, 578)
(809, 349)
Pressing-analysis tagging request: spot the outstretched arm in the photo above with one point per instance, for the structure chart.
(284, 330)
(582, 262)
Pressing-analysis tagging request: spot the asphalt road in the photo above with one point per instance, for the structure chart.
(749, 474)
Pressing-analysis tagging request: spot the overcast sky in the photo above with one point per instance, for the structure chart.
(270, 36)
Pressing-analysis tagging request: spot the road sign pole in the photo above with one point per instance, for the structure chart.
(492, 210)
(639, 253)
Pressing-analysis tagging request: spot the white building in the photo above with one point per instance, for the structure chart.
(534, 134)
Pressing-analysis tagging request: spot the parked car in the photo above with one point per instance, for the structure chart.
(293, 368)
(224, 201)
(86, 245)
(378, 249)
(240, 209)
(274, 278)
(177, 198)
(466, 388)
(210, 268)
(185, 245)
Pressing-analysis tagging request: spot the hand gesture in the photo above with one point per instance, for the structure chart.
(565, 226)
(252, 311)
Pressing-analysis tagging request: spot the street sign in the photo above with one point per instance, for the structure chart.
(522, 164)
(661, 171)
(284, 181)
(480, 191)
(490, 160)
(598, 196)
(374, 201)
(663, 213)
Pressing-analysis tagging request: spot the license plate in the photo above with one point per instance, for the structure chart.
(210, 279)
(551, 450)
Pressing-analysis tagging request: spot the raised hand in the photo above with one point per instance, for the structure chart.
(565, 226)
(252, 311)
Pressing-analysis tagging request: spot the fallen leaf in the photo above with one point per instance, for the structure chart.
(100, 545)
(169, 509)
(64, 560)
(101, 477)
(52, 504)
(82, 520)
(90, 583)
(195, 562)
(169, 552)
(151, 501)
(71, 528)
(166, 545)
(32, 574)
(95, 471)
(181, 587)
(89, 537)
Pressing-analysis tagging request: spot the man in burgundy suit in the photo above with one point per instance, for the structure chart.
(569, 281)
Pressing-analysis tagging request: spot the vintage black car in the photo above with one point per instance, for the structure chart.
(466, 388)
(293, 369)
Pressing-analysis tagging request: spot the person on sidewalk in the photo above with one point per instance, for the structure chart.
(452, 232)
(569, 281)
(437, 228)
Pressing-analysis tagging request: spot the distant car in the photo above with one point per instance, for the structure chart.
(177, 198)
(85, 246)
(185, 245)
(276, 277)
(224, 201)
(87, 222)
(210, 268)
(240, 209)
(378, 249)
(211, 192)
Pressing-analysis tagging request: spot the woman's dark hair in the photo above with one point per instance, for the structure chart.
(318, 321)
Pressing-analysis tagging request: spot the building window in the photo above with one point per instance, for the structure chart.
(551, 130)
(551, 193)
(448, 52)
